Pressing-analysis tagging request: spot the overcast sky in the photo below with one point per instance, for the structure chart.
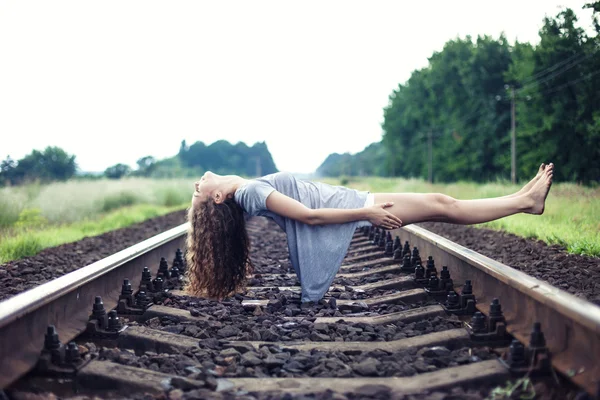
(113, 81)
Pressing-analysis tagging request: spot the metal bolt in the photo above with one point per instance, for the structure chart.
(478, 322)
(495, 315)
(158, 283)
(381, 242)
(376, 237)
(398, 254)
(406, 249)
(114, 323)
(142, 299)
(406, 264)
(398, 245)
(467, 288)
(72, 352)
(372, 233)
(434, 283)
(163, 268)
(51, 341)
(430, 263)
(389, 249)
(537, 339)
(178, 260)
(445, 274)
(419, 271)
(98, 310)
(495, 308)
(452, 301)
(516, 355)
(430, 269)
(126, 289)
(146, 278)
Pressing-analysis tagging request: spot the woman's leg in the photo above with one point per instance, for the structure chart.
(416, 207)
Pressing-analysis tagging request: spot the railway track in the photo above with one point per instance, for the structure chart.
(408, 313)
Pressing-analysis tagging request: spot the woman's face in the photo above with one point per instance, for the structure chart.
(205, 187)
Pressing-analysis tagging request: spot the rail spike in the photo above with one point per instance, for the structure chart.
(494, 327)
(376, 237)
(406, 249)
(463, 304)
(100, 325)
(531, 361)
(397, 245)
(56, 359)
(128, 304)
(178, 261)
(382, 241)
(389, 249)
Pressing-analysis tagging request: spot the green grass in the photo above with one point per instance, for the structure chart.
(34, 217)
(27, 241)
(571, 218)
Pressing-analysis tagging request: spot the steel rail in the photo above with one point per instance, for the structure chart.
(571, 325)
(66, 301)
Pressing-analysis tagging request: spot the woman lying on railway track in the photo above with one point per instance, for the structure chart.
(319, 221)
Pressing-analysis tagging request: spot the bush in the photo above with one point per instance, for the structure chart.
(31, 218)
(9, 211)
(121, 199)
(170, 197)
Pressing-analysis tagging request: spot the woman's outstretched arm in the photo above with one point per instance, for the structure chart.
(287, 207)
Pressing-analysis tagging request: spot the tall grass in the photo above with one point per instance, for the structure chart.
(72, 201)
(34, 217)
(571, 218)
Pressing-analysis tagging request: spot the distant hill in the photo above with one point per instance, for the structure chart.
(223, 157)
(369, 162)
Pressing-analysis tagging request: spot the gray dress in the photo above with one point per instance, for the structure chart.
(316, 252)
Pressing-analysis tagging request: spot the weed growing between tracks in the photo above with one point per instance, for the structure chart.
(571, 218)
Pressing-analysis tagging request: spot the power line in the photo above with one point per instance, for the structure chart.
(556, 73)
(549, 69)
(557, 88)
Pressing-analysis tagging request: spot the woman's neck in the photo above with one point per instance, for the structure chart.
(231, 183)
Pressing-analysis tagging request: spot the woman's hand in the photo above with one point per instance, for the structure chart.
(378, 216)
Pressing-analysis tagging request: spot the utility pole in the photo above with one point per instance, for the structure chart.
(513, 138)
(430, 149)
(258, 169)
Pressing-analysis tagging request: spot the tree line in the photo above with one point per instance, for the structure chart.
(452, 119)
(55, 164)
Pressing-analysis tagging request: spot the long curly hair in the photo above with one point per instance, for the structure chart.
(217, 249)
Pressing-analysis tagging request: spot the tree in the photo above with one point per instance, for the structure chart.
(117, 171)
(51, 164)
(7, 168)
(224, 158)
(146, 166)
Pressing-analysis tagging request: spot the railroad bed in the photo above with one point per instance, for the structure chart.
(400, 321)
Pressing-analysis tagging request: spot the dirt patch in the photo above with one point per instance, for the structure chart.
(578, 275)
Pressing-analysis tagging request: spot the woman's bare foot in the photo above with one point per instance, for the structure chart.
(532, 182)
(539, 191)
